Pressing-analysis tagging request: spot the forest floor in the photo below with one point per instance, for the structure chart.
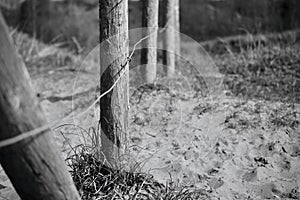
(242, 142)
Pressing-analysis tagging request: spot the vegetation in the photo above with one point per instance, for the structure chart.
(261, 79)
(275, 60)
(200, 19)
(94, 180)
(268, 72)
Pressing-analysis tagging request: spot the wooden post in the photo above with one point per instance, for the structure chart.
(177, 29)
(169, 38)
(113, 57)
(34, 166)
(149, 51)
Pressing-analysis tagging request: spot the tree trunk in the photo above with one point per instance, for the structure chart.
(34, 165)
(177, 29)
(169, 37)
(33, 15)
(149, 51)
(113, 57)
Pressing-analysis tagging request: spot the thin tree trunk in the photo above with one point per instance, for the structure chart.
(113, 56)
(33, 14)
(149, 51)
(177, 29)
(169, 38)
(34, 166)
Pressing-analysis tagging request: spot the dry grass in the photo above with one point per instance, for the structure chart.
(270, 73)
(38, 55)
(94, 180)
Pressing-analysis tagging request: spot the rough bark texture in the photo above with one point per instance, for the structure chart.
(169, 37)
(34, 166)
(113, 55)
(148, 53)
(177, 29)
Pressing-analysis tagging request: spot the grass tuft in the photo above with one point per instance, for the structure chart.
(94, 180)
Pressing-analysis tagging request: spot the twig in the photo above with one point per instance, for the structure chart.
(77, 45)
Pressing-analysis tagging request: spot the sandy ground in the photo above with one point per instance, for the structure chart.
(229, 147)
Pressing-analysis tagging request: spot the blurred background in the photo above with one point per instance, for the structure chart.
(72, 21)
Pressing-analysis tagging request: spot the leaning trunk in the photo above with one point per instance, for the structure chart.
(34, 165)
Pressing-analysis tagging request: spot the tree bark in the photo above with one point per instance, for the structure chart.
(169, 37)
(34, 165)
(113, 56)
(149, 51)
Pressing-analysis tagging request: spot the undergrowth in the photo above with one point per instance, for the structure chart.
(38, 56)
(258, 114)
(94, 180)
(269, 73)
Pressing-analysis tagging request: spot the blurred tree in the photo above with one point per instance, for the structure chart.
(87, 4)
(34, 165)
(10, 4)
(113, 61)
(287, 13)
(169, 45)
(177, 29)
(33, 15)
(149, 51)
